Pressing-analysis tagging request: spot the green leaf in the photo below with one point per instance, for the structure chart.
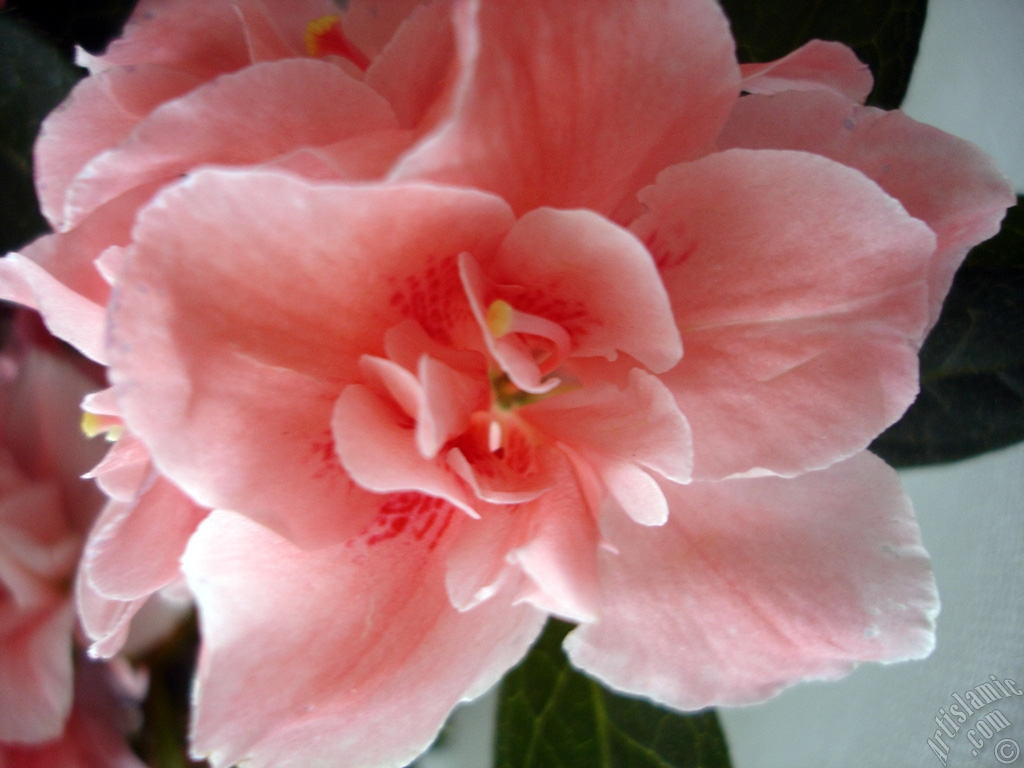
(884, 33)
(972, 365)
(551, 716)
(34, 77)
(67, 23)
(162, 741)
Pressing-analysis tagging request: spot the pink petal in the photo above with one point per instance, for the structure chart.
(102, 403)
(800, 331)
(99, 113)
(134, 549)
(628, 103)
(105, 620)
(622, 434)
(635, 491)
(440, 399)
(37, 550)
(60, 274)
(35, 675)
(815, 66)
(95, 733)
(76, 257)
(369, 663)
(587, 274)
(754, 585)
(415, 73)
(544, 552)
(641, 423)
(124, 469)
(288, 104)
(798, 394)
(367, 157)
(193, 36)
(370, 24)
(67, 314)
(389, 381)
(946, 182)
(407, 342)
(377, 445)
(42, 429)
(332, 267)
(559, 555)
(262, 36)
(829, 258)
(223, 437)
(449, 399)
(476, 568)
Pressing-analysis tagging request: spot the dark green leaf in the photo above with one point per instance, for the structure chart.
(1006, 249)
(551, 716)
(67, 23)
(34, 77)
(162, 741)
(884, 33)
(972, 365)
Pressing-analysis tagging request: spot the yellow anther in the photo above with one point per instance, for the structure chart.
(94, 424)
(316, 31)
(91, 424)
(499, 318)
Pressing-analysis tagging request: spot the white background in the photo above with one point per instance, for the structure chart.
(969, 81)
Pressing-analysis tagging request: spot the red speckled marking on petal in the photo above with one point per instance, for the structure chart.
(325, 454)
(416, 514)
(571, 315)
(668, 255)
(518, 452)
(434, 298)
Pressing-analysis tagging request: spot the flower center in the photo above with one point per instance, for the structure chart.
(498, 446)
(554, 342)
(507, 397)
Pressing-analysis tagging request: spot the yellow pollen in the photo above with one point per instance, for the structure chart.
(316, 30)
(91, 425)
(94, 424)
(499, 318)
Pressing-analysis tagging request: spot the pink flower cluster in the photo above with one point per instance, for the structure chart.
(57, 709)
(424, 322)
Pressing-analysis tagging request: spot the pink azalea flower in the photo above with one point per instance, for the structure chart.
(487, 313)
(38, 554)
(53, 712)
(93, 736)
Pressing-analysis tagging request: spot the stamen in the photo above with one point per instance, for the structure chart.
(325, 36)
(94, 424)
(503, 319)
(499, 318)
(494, 437)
